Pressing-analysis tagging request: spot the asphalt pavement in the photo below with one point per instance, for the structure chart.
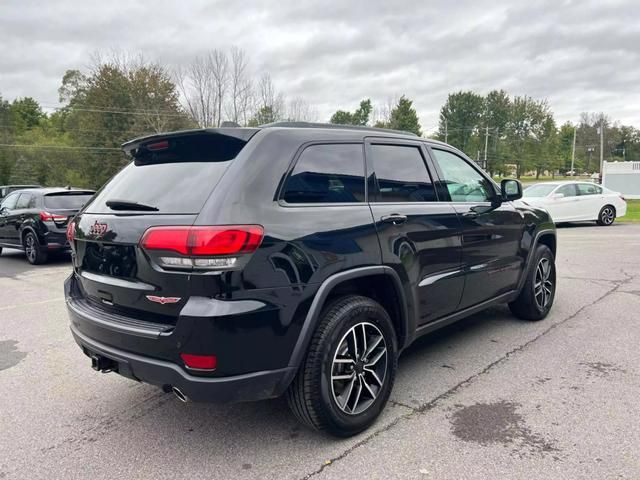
(491, 397)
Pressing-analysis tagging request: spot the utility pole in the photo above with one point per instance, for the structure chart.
(573, 151)
(601, 143)
(486, 145)
(446, 130)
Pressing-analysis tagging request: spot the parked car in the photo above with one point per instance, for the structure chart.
(237, 264)
(577, 202)
(7, 189)
(36, 220)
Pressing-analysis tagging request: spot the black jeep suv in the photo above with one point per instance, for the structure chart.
(238, 264)
(35, 220)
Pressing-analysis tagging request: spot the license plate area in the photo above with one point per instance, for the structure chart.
(112, 260)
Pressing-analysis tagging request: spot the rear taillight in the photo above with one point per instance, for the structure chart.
(49, 217)
(71, 231)
(203, 247)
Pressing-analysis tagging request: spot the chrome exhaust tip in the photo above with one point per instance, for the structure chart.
(178, 393)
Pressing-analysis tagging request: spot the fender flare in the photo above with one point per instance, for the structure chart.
(534, 244)
(313, 315)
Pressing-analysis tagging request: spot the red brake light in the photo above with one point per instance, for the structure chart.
(71, 231)
(204, 241)
(200, 362)
(162, 145)
(47, 217)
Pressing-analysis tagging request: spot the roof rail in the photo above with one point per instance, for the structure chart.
(336, 126)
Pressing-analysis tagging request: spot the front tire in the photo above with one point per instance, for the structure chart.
(33, 249)
(347, 375)
(607, 216)
(537, 295)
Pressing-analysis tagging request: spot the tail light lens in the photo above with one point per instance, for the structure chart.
(49, 217)
(203, 247)
(71, 231)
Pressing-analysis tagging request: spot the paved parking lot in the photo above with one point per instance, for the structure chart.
(491, 397)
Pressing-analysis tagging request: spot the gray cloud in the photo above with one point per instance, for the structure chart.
(578, 55)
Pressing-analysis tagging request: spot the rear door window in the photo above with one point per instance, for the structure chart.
(176, 176)
(587, 189)
(402, 174)
(327, 173)
(66, 201)
(23, 201)
(568, 190)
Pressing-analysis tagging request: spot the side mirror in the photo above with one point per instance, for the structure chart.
(556, 196)
(511, 189)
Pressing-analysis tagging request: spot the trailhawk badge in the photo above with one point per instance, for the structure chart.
(163, 300)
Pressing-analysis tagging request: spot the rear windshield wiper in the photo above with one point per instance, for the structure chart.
(125, 205)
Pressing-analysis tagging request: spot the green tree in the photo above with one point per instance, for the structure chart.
(26, 113)
(460, 118)
(404, 117)
(359, 117)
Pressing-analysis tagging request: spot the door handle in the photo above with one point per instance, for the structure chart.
(394, 218)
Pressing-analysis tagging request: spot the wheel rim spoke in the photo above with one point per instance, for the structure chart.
(543, 284)
(358, 371)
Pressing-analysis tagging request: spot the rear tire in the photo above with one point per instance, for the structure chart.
(0, 250)
(33, 249)
(347, 375)
(537, 295)
(607, 216)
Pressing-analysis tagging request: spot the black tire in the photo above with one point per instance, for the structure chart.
(315, 394)
(0, 250)
(33, 249)
(607, 216)
(537, 295)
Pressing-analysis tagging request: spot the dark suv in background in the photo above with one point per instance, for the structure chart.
(239, 264)
(35, 220)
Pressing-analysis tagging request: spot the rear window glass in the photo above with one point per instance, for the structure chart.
(177, 179)
(332, 173)
(67, 201)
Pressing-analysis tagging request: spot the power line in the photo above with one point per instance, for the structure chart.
(59, 147)
(115, 110)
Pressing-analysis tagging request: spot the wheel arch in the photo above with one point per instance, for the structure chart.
(542, 237)
(343, 283)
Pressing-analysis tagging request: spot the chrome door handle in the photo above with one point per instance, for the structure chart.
(394, 218)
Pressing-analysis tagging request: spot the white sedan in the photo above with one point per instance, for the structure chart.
(576, 201)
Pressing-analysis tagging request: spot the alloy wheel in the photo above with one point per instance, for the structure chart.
(543, 285)
(358, 370)
(607, 216)
(30, 247)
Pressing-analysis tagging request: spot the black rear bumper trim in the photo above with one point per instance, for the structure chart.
(237, 388)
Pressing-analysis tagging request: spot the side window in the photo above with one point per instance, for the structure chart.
(10, 202)
(331, 173)
(567, 190)
(23, 201)
(464, 183)
(587, 189)
(402, 174)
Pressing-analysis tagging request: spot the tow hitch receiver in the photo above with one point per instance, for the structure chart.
(103, 364)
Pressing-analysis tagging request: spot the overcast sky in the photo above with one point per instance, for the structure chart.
(579, 55)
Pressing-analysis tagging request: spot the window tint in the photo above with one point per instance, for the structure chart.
(327, 174)
(464, 183)
(67, 201)
(587, 189)
(10, 202)
(402, 174)
(23, 202)
(178, 179)
(567, 190)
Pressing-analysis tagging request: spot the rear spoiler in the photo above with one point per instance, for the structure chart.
(136, 147)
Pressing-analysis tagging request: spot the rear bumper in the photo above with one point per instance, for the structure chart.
(239, 388)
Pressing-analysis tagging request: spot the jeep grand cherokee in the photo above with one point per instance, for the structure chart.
(235, 264)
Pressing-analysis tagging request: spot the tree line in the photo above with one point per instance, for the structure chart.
(77, 140)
